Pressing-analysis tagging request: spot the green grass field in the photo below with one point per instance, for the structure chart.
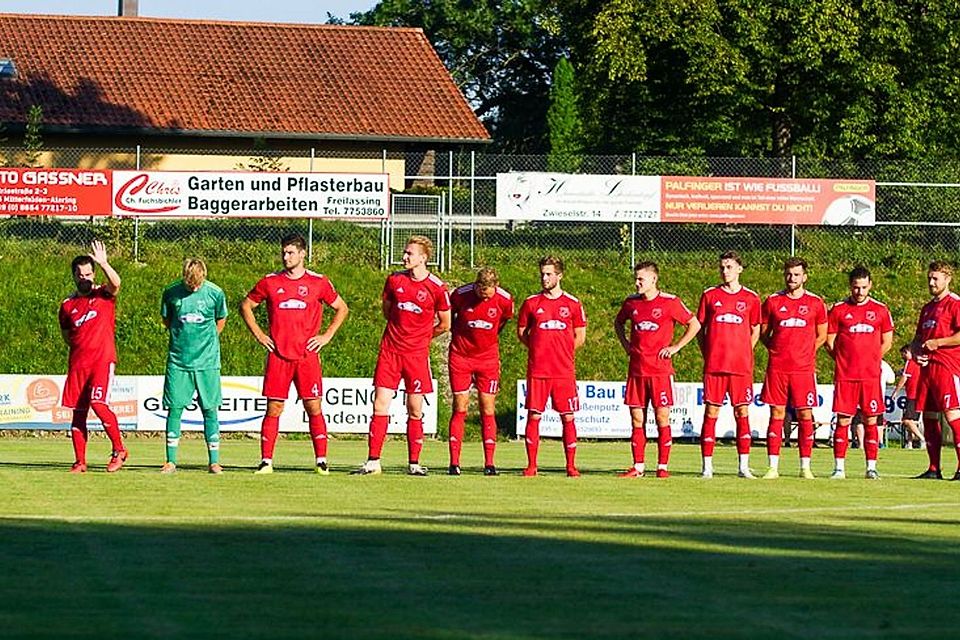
(296, 555)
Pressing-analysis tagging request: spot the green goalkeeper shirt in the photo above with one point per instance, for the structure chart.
(192, 317)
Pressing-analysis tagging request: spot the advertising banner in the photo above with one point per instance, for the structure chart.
(33, 402)
(251, 194)
(603, 415)
(576, 197)
(769, 201)
(54, 192)
(621, 198)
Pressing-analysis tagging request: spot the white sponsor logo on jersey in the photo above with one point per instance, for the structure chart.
(293, 303)
(479, 324)
(646, 325)
(88, 316)
(412, 307)
(729, 318)
(929, 324)
(553, 325)
(861, 327)
(793, 322)
(191, 318)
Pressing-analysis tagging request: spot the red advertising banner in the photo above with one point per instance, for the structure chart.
(768, 201)
(55, 192)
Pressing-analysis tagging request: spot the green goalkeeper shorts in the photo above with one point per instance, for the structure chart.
(179, 387)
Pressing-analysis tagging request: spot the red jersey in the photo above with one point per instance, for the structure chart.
(728, 320)
(551, 323)
(794, 323)
(414, 305)
(911, 371)
(859, 329)
(652, 324)
(941, 319)
(294, 309)
(477, 323)
(89, 322)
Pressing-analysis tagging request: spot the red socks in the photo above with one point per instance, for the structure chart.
(378, 433)
(414, 439)
(638, 442)
(570, 443)
(805, 441)
(841, 440)
(78, 433)
(488, 427)
(708, 436)
(664, 442)
(268, 436)
(774, 436)
(532, 440)
(871, 441)
(743, 434)
(318, 434)
(458, 421)
(110, 424)
(934, 437)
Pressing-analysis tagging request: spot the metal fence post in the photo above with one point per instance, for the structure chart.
(473, 196)
(633, 224)
(313, 154)
(793, 227)
(136, 223)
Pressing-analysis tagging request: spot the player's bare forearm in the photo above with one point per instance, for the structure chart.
(98, 251)
(821, 336)
(443, 324)
(938, 343)
(886, 342)
(385, 307)
(754, 336)
(221, 322)
(766, 334)
(828, 345)
(693, 328)
(166, 322)
(340, 313)
(523, 336)
(579, 337)
(246, 312)
(620, 330)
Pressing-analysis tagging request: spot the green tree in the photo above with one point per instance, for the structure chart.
(32, 137)
(265, 160)
(563, 121)
(500, 54)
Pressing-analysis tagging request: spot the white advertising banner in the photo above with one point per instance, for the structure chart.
(251, 194)
(562, 196)
(603, 415)
(33, 402)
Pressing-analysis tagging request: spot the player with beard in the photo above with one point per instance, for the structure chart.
(653, 316)
(936, 347)
(416, 306)
(87, 322)
(730, 316)
(793, 325)
(859, 333)
(295, 298)
(552, 325)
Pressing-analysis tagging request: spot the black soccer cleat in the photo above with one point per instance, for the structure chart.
(956, 476)
(490, 470)
(453, 470)
(929, 474)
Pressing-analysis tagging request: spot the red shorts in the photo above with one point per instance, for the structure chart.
(87, 385)
(938, 389)
(865, 395)
(796, 389)
(717, 386)
(413, 369)
(306, 374)
(657, 390)
(466, 372)
(562, 391)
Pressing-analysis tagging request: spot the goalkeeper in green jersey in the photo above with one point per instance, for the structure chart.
(194, 310)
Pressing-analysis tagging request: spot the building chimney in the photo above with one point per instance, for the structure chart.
(128, 8)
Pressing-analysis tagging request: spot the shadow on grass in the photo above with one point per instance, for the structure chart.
(326, 575)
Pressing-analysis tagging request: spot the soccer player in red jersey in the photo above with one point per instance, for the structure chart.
(416, 305)
(552, 325)
(295, 298)
(87, 322)
(653, 315)
(936, 347)
(730, 318)
(479, 312)
(909, 379)
(859, 333)
(793, 325)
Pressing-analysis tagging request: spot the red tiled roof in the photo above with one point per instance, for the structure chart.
(230, 78)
